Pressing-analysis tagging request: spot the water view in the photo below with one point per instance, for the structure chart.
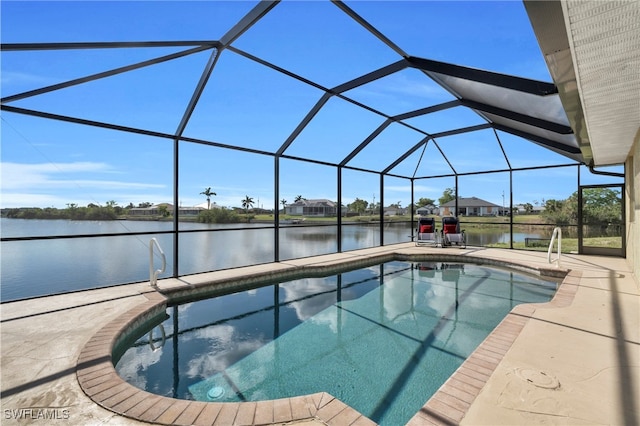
(33, 268)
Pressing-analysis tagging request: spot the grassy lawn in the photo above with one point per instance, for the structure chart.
(568, 244)
(532, 219)
(467, 220)
(333, 219)
(475, 224)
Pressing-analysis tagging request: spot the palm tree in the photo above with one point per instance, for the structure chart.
(246, 203)
(207, 193)
(299, 198)
(284, 205)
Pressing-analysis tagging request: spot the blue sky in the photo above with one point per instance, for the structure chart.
(51, 163)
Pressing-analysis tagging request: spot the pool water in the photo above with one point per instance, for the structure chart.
(382, 339)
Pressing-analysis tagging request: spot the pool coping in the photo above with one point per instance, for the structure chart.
(99, 380)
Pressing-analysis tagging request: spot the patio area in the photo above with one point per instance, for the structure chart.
(574, 360)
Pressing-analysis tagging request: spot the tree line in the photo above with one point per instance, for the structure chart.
(601, 205)
(110, 211)
(361, 206)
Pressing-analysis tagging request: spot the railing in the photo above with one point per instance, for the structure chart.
(153, 274)
(556, 232)
(163, 339)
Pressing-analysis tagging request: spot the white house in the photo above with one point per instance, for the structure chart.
(394, 211)
(428, 209)
(472, 206)
(320, 207)
(155, 210)
(535, 209)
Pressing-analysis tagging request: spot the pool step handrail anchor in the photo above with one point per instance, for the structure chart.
(153, 274)
(557, 232)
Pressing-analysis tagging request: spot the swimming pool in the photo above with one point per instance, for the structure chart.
(382, 339)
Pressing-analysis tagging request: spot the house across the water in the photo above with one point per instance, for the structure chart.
(472, 206)
(157, 209)
(320, 207)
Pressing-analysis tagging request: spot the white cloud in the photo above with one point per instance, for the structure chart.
(134, 362)
(21, 175)
(398, 188)
(404, 85)
(49, 184)
(225, 349)
(400, 85)
(20, 199)
(418, 189)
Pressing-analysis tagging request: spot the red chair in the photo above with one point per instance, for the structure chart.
(427, 232)
(451, 234)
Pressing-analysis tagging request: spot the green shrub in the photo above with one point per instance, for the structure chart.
(218, 216)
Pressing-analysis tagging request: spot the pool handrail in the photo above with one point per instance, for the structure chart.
(153, 274)
(152, 344)
(556, 232)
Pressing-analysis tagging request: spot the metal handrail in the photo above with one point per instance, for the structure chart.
(556, 232)
(153, 274)
(162, 341)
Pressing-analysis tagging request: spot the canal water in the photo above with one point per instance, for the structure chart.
(42, 267)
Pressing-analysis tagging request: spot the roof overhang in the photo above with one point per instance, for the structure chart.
(592, 50)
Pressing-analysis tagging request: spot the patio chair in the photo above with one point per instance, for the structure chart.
(427, 232)
(451, 234)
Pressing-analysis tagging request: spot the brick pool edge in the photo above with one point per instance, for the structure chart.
(99, 380)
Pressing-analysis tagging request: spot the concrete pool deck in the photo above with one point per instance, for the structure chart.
(575, 360)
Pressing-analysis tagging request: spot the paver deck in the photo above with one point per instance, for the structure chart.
(575, 360)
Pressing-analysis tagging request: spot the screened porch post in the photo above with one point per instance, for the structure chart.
(580, 222)
(381, 213)
(176, 198)
(276, 213)
(510, 208)
(411, 208)
(456, 205)
(339, 230)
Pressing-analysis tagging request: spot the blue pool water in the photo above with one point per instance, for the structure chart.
(382, 339)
